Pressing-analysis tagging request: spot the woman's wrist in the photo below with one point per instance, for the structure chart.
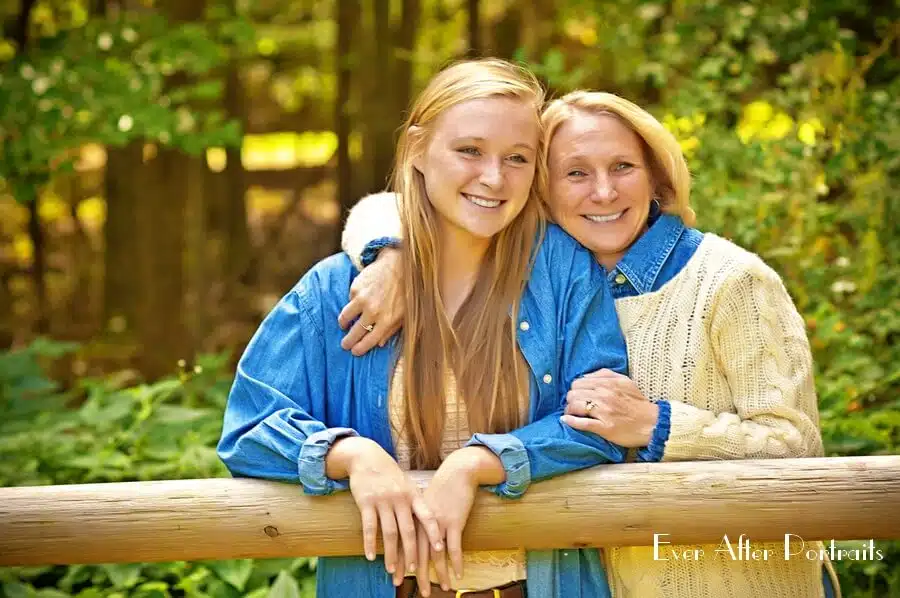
(345, 455)
(650, 423)
(477, 464)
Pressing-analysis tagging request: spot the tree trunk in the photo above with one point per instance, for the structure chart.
(19, 34)
(237, 237)
(474, 28)
(38, 265)
(384, 119)
(505, 38)
(346, 19)
(171, 233)
(122, 277)
(161, 241)
(406, 42)
(6, 313)
(196, 276)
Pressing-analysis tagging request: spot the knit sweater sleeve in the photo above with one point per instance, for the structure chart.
(760, 344)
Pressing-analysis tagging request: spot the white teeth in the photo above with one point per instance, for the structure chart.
(609, 218)
(484, 203)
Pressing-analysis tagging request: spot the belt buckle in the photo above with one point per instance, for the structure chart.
(461, 593)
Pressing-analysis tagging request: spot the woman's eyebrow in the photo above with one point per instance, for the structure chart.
(569, 158)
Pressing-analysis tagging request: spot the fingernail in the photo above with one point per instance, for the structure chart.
(370, 556)
(411, 568)
(438, 547)
(391, 569)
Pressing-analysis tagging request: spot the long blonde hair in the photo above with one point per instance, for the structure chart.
(479, 345)
(668, 168)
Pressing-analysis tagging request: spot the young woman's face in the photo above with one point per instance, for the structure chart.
(600, 184)
(479, 164)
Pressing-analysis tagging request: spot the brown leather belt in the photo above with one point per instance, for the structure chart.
(410, 589)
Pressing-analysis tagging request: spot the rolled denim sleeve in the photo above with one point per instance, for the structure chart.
(273, 426)
(544, 449)
(515, 459)
(373, 247)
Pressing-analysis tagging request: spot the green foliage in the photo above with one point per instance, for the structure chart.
(108, 431)
(133, 79)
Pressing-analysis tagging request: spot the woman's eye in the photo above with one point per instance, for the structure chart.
(576, 173)
(471, 151)
(519, 159)
(623, 166)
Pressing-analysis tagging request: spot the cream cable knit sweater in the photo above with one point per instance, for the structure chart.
(376, 213)
(723, 342)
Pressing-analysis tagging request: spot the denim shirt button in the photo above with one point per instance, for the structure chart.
(524, 326)
(620, 278)
(548, 378)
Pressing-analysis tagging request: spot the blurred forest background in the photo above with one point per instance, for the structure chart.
(169, 168)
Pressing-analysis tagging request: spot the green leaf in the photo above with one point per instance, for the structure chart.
(123, 575)
(14, 589)
(285, 586)
(176, 414)
(152, 589)
(235, 572)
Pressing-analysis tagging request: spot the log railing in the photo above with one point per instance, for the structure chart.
(696, 502)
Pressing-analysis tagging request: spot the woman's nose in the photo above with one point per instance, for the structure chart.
(604, 191)
(491, 175)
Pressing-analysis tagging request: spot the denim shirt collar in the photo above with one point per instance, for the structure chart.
(645, 258)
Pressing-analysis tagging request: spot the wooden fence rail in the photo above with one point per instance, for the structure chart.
(696, 502)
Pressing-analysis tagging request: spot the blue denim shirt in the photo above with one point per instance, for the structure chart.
(652, 261)
(655, 258)
(296, 392)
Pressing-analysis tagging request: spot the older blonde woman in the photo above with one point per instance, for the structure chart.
(720, 366)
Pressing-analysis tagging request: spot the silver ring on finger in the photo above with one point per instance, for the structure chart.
(588, 405)
(369, 327)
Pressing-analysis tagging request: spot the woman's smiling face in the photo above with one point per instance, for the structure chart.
(479, 164)
(600, 184)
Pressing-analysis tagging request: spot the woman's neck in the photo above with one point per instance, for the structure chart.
(611, 260)
(461, 257)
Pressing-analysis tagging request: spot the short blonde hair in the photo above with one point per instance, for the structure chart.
(671, 177)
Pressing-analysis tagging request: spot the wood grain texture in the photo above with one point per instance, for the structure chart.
(827, 498)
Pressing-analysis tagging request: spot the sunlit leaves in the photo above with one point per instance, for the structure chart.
(119, 89)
